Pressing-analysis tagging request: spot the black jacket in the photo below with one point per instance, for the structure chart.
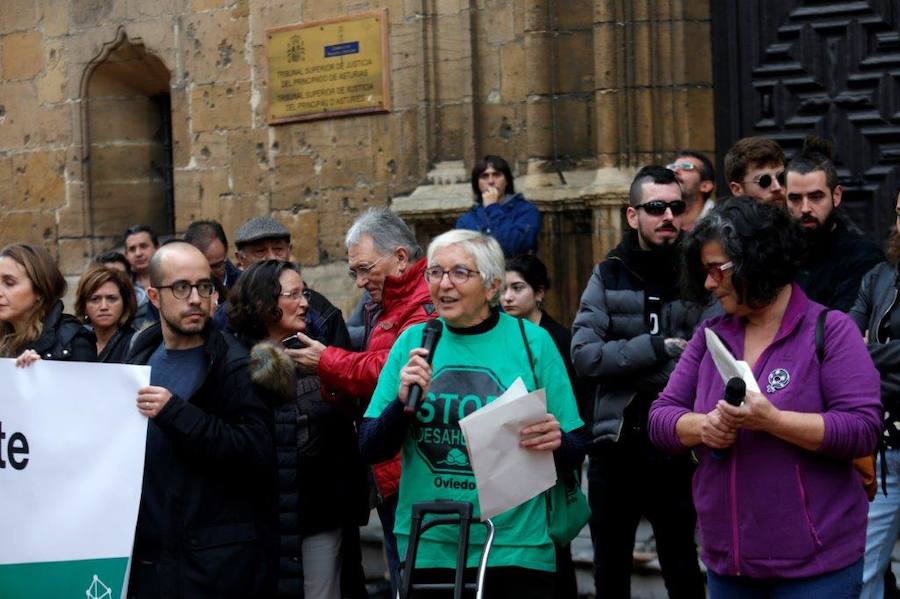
(218, 511)
(612, 343)
(836, 265)
(64, 338)
(321, 478)
(877, 313)
(116, 349)
(562, 338)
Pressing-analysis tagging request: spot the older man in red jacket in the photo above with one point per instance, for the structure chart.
(387, 262)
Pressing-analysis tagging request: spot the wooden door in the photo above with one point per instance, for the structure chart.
(785, 69)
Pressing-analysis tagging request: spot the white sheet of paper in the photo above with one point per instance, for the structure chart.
(506, 474)
(727, 366)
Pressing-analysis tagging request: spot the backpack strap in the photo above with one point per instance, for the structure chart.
(528, 350)
(820, 334)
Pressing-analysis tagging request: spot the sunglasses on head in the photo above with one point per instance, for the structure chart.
(658, 207)
(681, 166)
(765, 181)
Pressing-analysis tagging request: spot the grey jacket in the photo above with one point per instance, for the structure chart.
(612, 344)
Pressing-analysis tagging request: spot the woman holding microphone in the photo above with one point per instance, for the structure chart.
(480, 353)
(781, 510)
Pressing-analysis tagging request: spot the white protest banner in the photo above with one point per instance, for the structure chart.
(71, 468)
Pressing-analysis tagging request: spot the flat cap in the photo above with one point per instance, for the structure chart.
(261, 227)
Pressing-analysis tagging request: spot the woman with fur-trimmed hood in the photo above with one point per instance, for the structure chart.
(321, 484)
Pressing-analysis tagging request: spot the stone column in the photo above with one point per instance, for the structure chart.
(654, 92)
(451, 69)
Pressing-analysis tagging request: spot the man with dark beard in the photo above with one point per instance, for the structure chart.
(630, 329)
(204, 526)
(838, 255)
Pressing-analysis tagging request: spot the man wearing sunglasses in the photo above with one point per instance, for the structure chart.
(695, 173)
(838, 254)
(210, 447)
(754, 167)
(630, 330)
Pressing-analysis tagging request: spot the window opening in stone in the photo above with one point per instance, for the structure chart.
(129, 142)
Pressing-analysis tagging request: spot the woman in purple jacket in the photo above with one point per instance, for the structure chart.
(781, 511)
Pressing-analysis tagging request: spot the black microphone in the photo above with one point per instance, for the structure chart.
(431, 334)
(735, 390)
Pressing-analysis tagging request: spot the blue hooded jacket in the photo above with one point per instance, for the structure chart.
(515, 224)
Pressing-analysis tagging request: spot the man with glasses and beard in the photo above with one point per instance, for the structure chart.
(754, 166)
(838, 255)
(630, 330)
(204, 527)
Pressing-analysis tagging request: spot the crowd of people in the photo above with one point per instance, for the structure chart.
(275, 426)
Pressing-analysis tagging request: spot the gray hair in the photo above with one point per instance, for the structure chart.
(484, 249)
(387, 231)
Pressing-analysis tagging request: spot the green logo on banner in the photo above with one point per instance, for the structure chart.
(91, 578)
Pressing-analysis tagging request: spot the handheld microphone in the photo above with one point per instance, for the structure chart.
(735, 390)
(430, 336)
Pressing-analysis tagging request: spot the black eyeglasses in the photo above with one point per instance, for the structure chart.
(182, 289)
(658, 207)
(765, 181)
(457, 274)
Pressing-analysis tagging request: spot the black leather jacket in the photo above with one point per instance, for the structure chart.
(876, 304)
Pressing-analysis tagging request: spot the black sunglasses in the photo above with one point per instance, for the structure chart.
(658, 207)
(765, 181)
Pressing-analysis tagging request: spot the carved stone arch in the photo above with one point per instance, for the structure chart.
(126, 135)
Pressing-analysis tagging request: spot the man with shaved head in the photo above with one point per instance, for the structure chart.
(210, 449)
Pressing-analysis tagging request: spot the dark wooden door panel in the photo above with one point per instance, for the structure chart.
(787, 69)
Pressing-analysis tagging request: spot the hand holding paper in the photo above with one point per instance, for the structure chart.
(507, 473)
(542, 436)
(726, 364)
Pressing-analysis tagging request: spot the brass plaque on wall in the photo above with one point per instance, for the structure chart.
(329, 68)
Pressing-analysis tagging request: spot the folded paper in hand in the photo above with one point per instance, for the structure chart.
(727, 366)
(507, 474)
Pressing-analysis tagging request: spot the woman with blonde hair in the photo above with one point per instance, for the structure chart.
(105, 302)
(32, 323)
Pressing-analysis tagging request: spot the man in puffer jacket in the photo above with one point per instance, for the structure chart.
(387, 262)
(629, 331)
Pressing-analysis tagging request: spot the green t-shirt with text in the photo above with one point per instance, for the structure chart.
(470, 371)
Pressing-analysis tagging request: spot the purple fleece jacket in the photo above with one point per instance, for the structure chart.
(769, 508)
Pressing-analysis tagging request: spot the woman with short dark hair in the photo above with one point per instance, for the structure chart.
(321, 479)
(499, 211)
(780, 508)
(106, 304)
(32, 323)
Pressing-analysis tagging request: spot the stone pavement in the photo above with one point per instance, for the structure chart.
(646, 580)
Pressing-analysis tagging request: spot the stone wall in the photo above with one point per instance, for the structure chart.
(575, 93)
